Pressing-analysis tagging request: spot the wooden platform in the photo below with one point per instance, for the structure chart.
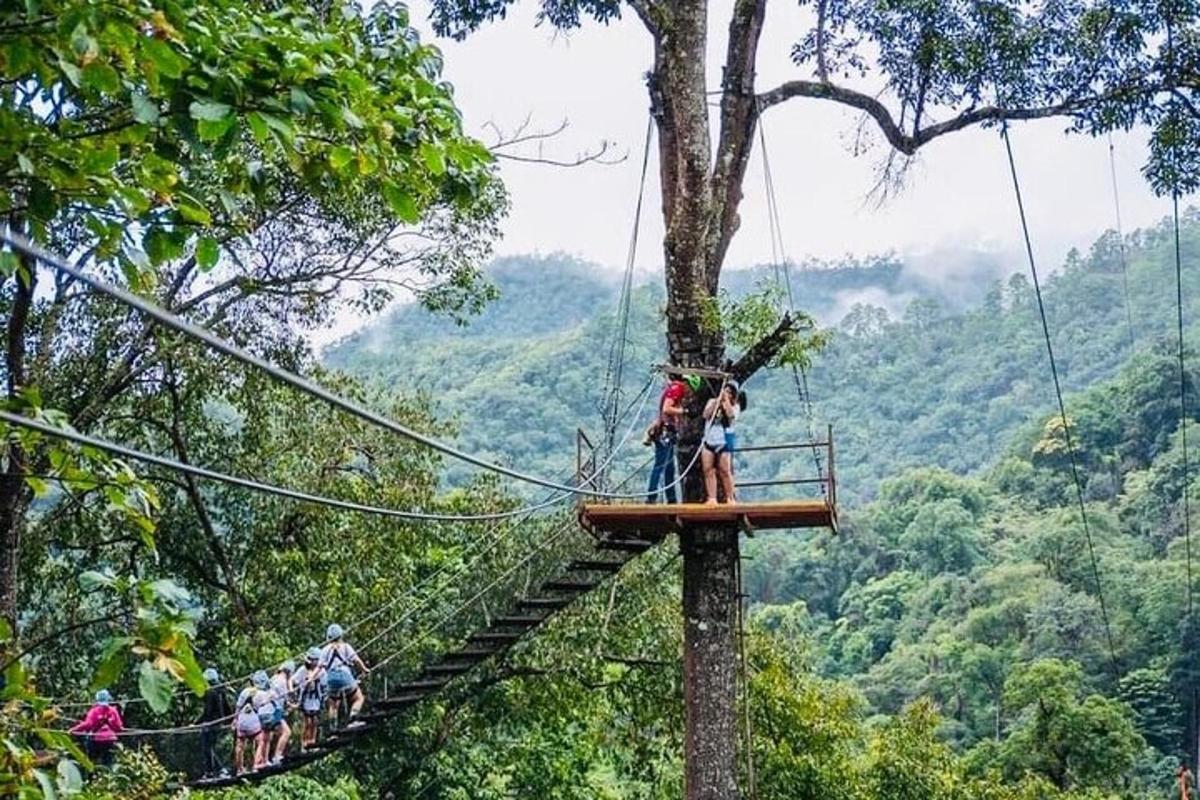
(659, 519)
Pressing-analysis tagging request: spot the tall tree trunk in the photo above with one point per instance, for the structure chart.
(14, 494)
(710, 555)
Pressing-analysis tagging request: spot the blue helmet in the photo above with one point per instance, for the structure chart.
(333, 632)
(103, 697)
(260, 679)
(313, 655)
(288, 666)
(211, 675)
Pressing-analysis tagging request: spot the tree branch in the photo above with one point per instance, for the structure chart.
(766, 348)
(739, 114)
(909, 143)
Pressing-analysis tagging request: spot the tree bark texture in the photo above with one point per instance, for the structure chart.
(15, 496)
(701, 191)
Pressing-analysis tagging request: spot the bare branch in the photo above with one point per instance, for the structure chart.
(505, 142)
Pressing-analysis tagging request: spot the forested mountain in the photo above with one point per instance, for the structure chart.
(963, 574)
(945, 381)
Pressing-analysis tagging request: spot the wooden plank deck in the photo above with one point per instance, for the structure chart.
(664, 518)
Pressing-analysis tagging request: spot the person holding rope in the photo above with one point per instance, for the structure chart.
(217, 708)
(663, 433)
(311, 692)
(100, 728)
(716, 457)
(281, 693)
(254, 706)
(339, 660)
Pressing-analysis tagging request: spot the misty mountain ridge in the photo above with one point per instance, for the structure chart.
(947, 380)
(577, 290)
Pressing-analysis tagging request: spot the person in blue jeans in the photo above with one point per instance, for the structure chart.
(663, 433)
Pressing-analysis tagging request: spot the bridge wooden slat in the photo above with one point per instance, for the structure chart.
(661, 518)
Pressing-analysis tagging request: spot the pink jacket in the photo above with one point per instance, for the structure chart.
(103, 722)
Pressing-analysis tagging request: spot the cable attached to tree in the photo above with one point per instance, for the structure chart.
(1112, 168)
(782, 269)
(1062, 408)
(615, 373)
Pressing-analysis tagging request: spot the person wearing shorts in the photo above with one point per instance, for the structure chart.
(715, 456)
(310, 692)
(248, 732)
(281, 692)
(339, 660)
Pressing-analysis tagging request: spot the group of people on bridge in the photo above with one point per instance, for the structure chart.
(716, 448)
(327, 682)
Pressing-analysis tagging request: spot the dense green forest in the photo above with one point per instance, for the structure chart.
(945, 379)
(961, 576)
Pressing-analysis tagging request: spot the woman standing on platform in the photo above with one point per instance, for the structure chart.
(716, 458)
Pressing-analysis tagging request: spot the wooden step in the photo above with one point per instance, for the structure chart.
(448, 669)
(584, 565)
(470, 654)
(552, 603)
(569, 586)
(494, 636)
(628, 545)
(420, 687)
(396, 702)
(515, 620)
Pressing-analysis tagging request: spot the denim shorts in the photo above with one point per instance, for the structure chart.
(341, 681)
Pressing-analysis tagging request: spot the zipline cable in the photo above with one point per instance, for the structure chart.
(1183, 416)
(1062, 407)
(176, 323)
(257, 486)
(615, 374)
(779, 255)
(280, 491)
(1112, 167)
(1183, 427)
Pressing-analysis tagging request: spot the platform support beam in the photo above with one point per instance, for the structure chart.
(710, 597)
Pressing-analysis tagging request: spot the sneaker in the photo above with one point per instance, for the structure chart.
(357, 723)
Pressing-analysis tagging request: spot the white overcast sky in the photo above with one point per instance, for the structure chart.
(958, 195)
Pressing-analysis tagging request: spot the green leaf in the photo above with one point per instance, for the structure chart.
(102, 159)
(165, 59)
(286, 132)
(145, 110)
(340, 157)
(112, 661)
(352, 119)
(46, 783)
(92, 580)
(302, 103)
(40, 487)
(209, 130)
(101, 77)
(208, 253)
(209, 110)
(9, 263)
(70, 781)
(193, 676)
(258, 126)
(433, 157)
(162, 245)
(193, 212)
(402, 203)
(155, 687)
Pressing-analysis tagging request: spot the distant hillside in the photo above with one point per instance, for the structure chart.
(944, 380)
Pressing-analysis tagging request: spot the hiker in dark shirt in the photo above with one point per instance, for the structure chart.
(218, 709)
